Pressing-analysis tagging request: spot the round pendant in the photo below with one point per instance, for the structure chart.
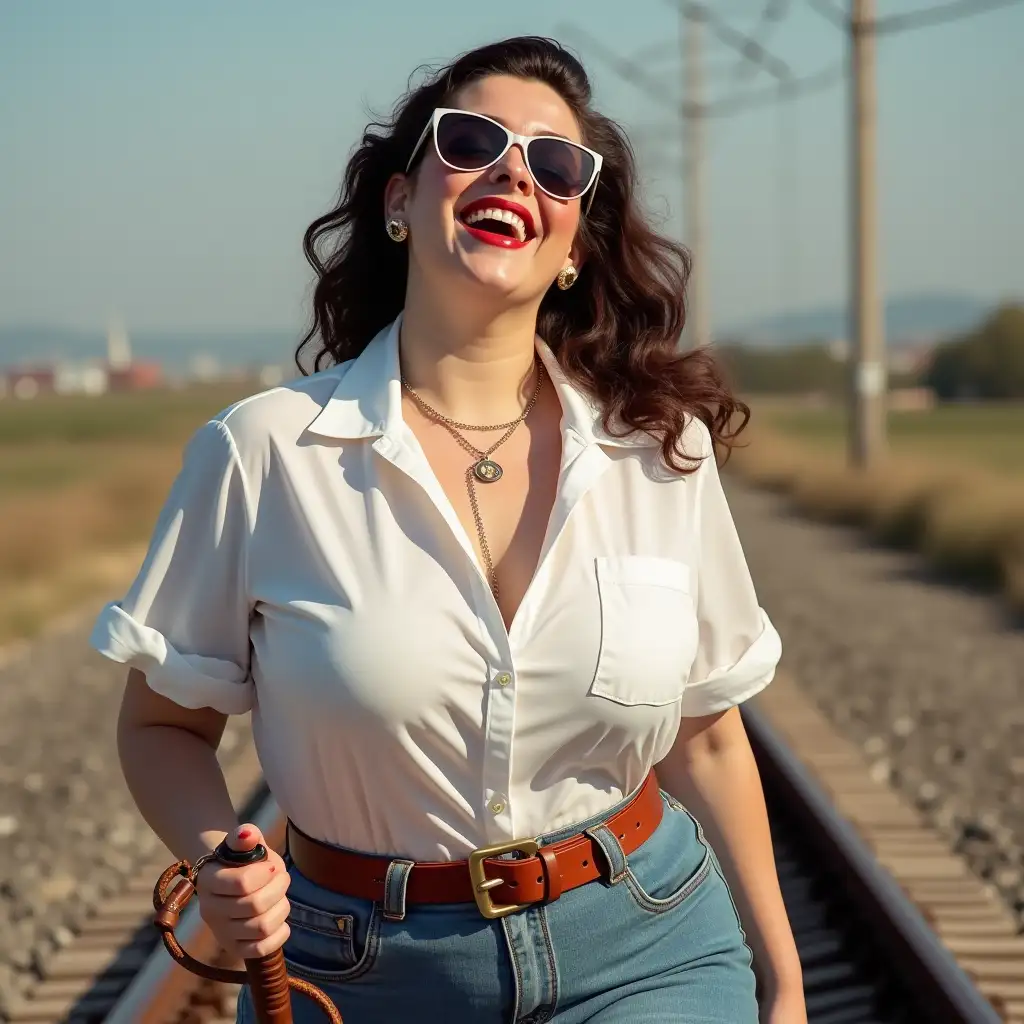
(487, 471)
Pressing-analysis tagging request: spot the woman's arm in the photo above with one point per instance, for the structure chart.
(169, 759)
(711, 770)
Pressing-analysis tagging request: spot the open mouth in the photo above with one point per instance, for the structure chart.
(499, 222)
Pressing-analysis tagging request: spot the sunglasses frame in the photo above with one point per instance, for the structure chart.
(511, 139)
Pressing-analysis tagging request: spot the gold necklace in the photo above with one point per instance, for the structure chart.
(484, 469)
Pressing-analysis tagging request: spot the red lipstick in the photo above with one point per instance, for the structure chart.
(494, 232)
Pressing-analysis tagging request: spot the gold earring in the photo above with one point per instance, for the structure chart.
(567, 277)
(398, 230)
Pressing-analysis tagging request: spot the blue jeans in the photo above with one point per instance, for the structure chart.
(659, 941)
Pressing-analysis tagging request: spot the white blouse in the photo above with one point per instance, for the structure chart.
(308, 566)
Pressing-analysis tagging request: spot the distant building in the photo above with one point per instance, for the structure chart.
(910, 399)
(137, 377)
(119, 349)
(911, 358)
(270, 375)
(80, 379)
(28, 382)
(838, 349)
(204, 368)
(123, 374)
(118, 372)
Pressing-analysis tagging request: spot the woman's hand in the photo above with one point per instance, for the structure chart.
(245, 907)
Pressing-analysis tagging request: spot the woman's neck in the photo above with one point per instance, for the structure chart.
(471, 367)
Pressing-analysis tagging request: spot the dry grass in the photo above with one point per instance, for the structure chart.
(989, 435)
(27, 610)
(965, 516)
(81, 483)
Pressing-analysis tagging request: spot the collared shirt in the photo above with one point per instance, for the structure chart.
(308, 566)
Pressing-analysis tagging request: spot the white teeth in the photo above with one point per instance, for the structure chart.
(505, 216)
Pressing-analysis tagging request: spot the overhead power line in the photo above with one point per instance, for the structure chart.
(752, 50)
(790, 89)
(953, 11)
(772, 14)
(694, 109)
(832, 13)
(926, 17)
(727, 106)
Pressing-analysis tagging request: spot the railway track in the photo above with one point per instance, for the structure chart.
(892, 927)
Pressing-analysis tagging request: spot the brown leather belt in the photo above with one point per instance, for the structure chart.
(498, 887)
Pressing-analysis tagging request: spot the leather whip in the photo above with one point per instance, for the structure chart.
(266, 976)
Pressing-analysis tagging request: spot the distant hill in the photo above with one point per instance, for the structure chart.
(40, 344)
(907, 318)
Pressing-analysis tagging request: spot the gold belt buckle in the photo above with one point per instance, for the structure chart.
(482, 885)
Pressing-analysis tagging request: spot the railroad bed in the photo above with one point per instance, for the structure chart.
(892, 927)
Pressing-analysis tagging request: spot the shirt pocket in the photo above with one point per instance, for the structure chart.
(649, 630)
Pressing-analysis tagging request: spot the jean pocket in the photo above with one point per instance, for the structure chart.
(330, 946)
(671, 866)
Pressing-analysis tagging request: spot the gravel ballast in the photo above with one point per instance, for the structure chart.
(927, 678)
(69, 830)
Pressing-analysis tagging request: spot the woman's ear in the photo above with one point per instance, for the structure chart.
(577, 256)
(396, 197)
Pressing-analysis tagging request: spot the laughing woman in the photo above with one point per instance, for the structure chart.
(478, 583)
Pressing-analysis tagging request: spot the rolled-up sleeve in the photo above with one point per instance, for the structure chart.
(184, 622)
(739, 648)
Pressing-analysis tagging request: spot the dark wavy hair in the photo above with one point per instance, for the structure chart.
(615, 333)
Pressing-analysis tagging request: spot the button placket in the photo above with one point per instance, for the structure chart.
(497, 773)
(581, 468)
(499, 723)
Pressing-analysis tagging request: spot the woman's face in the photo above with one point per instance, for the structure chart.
(436, 201)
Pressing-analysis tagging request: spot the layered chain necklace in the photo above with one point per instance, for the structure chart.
(483, 469)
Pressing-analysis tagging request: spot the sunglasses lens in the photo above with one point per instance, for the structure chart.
(560, 168)
(467, 142)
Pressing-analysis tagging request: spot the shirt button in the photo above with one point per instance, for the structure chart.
(497, 805)
(504, 678)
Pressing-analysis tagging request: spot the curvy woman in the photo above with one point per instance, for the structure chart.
(476, 579)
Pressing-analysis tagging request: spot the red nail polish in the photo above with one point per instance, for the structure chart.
(244, 833)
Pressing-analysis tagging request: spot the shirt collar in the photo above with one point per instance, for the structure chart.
(368, 399)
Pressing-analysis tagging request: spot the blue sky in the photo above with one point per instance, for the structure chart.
(163, 160)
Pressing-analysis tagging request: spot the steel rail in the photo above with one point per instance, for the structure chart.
(944, 990)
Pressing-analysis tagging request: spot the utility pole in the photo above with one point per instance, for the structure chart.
(868, 376)
(868, 402)
(694, 183)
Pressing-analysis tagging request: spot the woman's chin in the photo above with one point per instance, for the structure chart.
(476, 269)
(502, 273)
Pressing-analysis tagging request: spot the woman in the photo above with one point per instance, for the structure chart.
(479, 585)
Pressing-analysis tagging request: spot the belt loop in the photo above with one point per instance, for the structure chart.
(552, 876)
(612, 850)
(395, 884)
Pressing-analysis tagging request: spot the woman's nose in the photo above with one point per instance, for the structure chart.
(512, 168)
